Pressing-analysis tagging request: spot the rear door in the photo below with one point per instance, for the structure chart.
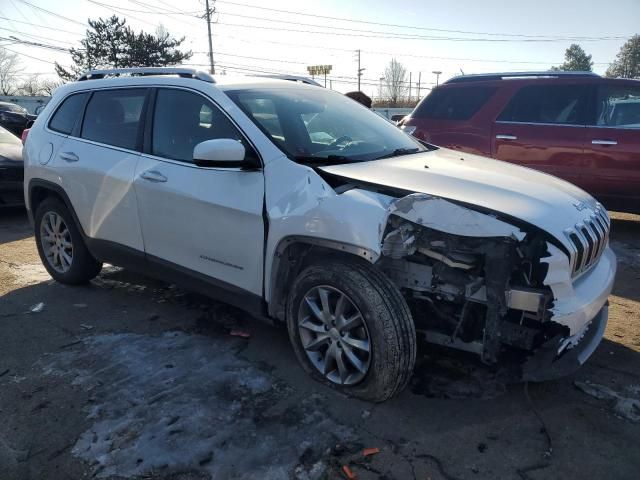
(97, 163)
(544, 127)
(201, 220)
(613, 146)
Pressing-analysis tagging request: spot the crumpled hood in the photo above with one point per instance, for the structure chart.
(539, 199)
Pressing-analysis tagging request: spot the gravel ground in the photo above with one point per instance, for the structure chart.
(130, 378)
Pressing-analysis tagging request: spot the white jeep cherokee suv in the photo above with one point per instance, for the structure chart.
(299, 205)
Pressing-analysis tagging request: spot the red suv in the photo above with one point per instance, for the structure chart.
(574, 125)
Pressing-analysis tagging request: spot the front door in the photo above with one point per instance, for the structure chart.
(543, 127)
(203, 220)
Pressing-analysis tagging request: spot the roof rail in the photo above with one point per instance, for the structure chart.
(513, 75)
(145, 71)
(292, 78)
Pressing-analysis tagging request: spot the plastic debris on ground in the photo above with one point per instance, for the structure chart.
(370, 451)
(37, 308)
(348, 473)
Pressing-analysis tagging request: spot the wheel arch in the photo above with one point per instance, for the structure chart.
(294, 253)
(39, 190)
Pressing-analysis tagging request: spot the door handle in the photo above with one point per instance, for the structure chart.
(604, 142)
(154, 176)
(69, 157)
(506, 137)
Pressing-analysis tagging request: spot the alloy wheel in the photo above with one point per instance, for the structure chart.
(334, 335)
(55, 239)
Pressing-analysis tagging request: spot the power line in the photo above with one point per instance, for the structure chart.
(119, 10)
(29, 56)
(35, 36)
(399, 54)
(343, 19)
(11, 20)
(415, 36)
(53, 13)
(391, 36)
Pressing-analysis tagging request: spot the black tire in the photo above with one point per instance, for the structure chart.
(389, 323)
(83, 266)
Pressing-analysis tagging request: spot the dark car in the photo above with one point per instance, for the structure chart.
(14, 117)
(11, 170)
(577, 126)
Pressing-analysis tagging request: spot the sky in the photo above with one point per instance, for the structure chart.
(284, 36)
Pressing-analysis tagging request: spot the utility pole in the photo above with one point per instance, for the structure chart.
(419, 81)
(409, 87)
(381, 79)
(360, 70)
(207, 14)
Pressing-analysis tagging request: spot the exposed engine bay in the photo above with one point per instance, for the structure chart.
(475, 283)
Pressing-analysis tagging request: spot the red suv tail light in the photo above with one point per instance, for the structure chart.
(25, 134)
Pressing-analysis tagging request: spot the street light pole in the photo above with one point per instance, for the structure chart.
(437, 74)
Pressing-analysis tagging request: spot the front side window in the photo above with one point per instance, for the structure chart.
(113, 117)
(68, 113)
(550, 104)
(457, 103)
(314, 125)
(618, 106)
(182, 120)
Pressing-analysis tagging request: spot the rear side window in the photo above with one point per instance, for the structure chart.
(453, 103)
(551, 104)
(68, 113)
(618, 106)
(182, 120)
(113, 117)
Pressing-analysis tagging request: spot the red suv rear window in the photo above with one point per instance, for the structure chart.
(460, 103)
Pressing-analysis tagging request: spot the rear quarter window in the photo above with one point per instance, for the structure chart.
(453, 103)
(68, 113)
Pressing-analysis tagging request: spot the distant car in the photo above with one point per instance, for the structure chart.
(575, 125)
(14, 117)
(11, 170)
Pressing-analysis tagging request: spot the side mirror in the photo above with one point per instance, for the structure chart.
(221, 152)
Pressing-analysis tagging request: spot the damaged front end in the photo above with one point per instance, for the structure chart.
(477, 283)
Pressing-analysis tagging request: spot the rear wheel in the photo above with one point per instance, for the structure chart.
(351, 329)
(61, 246)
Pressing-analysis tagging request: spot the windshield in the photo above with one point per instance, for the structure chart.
(320, 126)
(7, 137)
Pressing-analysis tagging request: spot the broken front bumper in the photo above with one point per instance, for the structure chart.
(582, 306)
(547, 364)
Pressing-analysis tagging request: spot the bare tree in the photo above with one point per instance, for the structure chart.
(48, 86)
(9, 71)
(30, 87)
(395, 82)
(34, 86)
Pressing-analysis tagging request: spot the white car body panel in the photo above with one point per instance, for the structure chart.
(208, 220)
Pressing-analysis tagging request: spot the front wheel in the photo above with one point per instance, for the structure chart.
(351, 329)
